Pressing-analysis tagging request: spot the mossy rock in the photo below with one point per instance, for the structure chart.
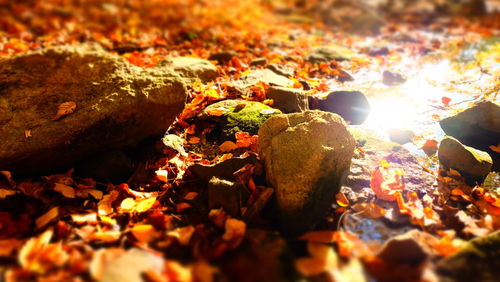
(241, 116)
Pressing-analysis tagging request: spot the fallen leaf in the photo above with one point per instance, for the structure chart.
(342, 200)
(47, 217)
(495, 148)
(446, 101)
(183, 234)
(4, 193)
(385, 182)
(65, 190)
(369, 210)
(228, 146)
(65, 109)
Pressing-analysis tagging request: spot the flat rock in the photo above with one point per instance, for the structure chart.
(352, 106)
(329, 53)
(288, 100)
(376, 149)
(473, 164)
(117, 105)
(307, 157)
(478, 127)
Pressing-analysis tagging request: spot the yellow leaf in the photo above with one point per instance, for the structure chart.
(127, 205)
(145, 205)
(144, 233)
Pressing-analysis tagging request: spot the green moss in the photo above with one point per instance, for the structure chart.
(248, 119)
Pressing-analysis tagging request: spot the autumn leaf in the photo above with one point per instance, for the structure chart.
(495, 148)
(65, 109)
(385, 182)
(446, 101)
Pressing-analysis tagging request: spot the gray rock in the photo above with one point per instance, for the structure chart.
(350, 105)
(117, 105)
(307, 158)
(227, 195)
(473, 164)
(329, 53)
(392, 78)
(288, 100)
(281, 70)
(192, 69)
(479, 260)
(401, 136)
(478, 127)
(242, 116)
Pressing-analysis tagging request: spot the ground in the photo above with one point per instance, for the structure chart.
(414, 66)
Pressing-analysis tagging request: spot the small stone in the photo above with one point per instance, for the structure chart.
(258, 62)
(222, 57)
(329, 53)
(401, 136)
(406, 248)
(227, 195)
(307, 157)
(350, 105)
(378, 51)
(288, 100)
(391, 78)
(478, 127)
(281, 70)
(472, 164)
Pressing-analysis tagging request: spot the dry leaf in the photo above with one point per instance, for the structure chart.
(228, 146)
(65, 109)
(4, 193)
(183, 234)
(65, 190)
(144, 233)
(47, 217)
(369, 210)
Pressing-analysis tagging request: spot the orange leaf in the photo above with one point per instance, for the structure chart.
(385, 182)
(495, 148)
(217, 112)
(342, 200)
(445, 100)
(228, 146)
(65, 109)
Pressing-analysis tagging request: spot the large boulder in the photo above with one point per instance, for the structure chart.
(473, 164)
(307, 157)
(102, 101)
(478, 127)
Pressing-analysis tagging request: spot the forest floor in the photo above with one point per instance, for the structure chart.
(400, 215)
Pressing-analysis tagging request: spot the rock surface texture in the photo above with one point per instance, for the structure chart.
(307, 158)
(114, 104)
